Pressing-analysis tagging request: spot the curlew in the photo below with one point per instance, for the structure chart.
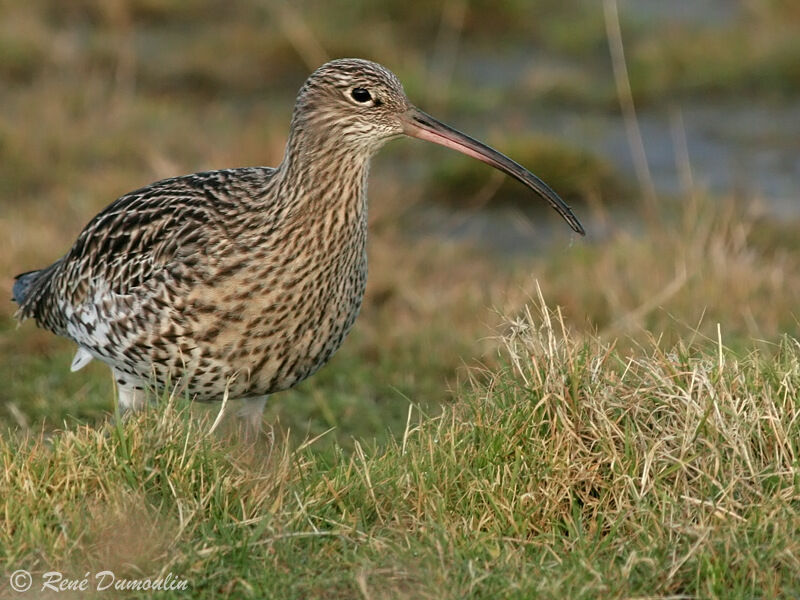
(245, 280)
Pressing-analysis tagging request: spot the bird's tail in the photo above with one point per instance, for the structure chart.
(29, 288)
(22, 286)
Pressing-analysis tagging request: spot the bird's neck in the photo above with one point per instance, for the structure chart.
(322, 175)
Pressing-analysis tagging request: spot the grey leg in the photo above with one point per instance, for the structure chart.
(130, 396)
(250, 413)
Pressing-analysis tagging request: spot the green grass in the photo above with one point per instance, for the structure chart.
(573, 470)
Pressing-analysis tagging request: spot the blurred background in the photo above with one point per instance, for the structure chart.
(691, 205)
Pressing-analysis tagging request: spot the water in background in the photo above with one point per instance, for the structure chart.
(747, 147)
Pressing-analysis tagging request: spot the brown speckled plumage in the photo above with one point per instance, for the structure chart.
(240, 279)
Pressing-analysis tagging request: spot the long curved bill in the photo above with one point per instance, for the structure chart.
(423, 126)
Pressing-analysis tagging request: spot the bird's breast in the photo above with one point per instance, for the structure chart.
(272, 320)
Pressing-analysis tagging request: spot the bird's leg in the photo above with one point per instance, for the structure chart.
(250, 414)
(130, 397)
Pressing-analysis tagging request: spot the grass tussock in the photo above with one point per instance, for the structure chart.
(574, 470)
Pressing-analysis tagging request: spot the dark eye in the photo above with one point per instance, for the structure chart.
(360, 95)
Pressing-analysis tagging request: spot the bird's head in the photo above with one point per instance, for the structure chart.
(357, 105)
(353, 102)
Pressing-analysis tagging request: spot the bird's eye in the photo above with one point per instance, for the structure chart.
(361, 95)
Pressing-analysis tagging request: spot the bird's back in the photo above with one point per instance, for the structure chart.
(138, 240)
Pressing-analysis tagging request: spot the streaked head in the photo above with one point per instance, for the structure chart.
(360, 105)
(354, 101)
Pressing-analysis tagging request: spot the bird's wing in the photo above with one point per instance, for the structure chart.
(141, 236)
